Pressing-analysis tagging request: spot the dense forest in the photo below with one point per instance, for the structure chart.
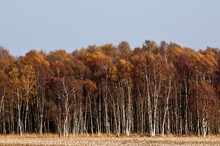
(154, 89)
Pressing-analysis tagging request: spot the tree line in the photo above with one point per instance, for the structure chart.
(154, 89)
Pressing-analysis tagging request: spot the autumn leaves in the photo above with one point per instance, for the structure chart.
(155, 89)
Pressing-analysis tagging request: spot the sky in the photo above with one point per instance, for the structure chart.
(73, 24)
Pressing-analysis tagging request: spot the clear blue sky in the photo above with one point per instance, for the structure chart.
(74, 24)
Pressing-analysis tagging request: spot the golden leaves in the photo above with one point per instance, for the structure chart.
(28, 80)
(112, 73)
(23, 81)
(14, 77)
(90, 86)
(99, 59)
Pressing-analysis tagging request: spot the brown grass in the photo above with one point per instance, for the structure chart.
(105, 139)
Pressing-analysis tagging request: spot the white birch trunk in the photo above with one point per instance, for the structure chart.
(166, 107)
(149, 105)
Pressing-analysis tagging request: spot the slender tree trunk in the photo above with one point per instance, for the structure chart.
(149, 105)
(155, 116)
(26, 116)
(123, 110)
(118, 117)
(168, 122)
(66, 119)
(142, 118)
(41, 113)
(91, 115)
(2, 102)
(2, 111)
(19, 128)
(129, 111)
(114, 115)
(85, 129)
(59, 120)
(41, 120)
(75, 119)
(166, 107)
(99, 119)
(3, 120)
(107, 125)
(81, 130)
(157, 87)
(186, 108)
(176, 109)
(198, 122)
(204, 125)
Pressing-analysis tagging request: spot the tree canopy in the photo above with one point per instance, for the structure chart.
(154, 89)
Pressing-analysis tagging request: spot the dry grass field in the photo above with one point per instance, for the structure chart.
(105, 140)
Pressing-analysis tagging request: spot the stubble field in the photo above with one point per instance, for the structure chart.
(106, 140)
